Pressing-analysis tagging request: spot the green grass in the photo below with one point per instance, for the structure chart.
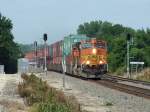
(43, 98)
(108, 104)
(144, 78)
(145, 75)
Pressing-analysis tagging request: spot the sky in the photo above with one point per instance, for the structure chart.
(59, 18)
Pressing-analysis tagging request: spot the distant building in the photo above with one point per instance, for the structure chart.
(2, 69)
(23, 65)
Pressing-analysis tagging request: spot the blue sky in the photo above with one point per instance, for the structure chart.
(58, 18)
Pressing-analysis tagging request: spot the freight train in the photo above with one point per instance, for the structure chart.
(77, 55)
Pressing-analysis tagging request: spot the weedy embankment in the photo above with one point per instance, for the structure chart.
(43, 98)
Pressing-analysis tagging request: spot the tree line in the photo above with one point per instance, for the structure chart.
(115, 35)
(9, 50)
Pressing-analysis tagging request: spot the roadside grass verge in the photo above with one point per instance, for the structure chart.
(145, 75)
(43, 98)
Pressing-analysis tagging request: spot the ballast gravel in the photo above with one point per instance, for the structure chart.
(10, 101)
(97, 98)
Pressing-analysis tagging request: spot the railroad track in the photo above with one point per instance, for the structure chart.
(113, 83)
(141, 92)
(117, 78)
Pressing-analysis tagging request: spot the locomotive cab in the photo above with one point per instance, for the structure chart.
(91, 56)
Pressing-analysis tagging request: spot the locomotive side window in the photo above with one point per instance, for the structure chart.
(100, 45)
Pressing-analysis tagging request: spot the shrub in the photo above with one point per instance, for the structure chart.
(33, 89)
(50, 107)
(109, 104)
(120, 71)
(145, 75)
(43, 98)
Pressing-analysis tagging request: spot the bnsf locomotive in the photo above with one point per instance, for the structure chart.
(76, 55)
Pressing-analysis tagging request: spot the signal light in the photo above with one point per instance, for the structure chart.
(128, 37)
(35, 43)
(100, 62)
(45, 37)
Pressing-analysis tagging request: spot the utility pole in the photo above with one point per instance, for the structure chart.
(35, 48)
(64, 65)
(45, 65)
(64, 70)
(128, 54)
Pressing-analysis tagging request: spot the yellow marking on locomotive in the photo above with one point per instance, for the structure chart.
(91, 59)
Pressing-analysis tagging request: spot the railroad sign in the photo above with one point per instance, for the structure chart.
(137, 63)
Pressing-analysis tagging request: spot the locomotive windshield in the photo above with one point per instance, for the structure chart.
(97, 45)
(86, 45)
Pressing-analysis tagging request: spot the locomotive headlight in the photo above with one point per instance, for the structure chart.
(100, 62)
(87, 62)
(94, 51)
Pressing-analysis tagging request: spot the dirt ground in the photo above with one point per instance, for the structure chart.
(10, 101)
(87, 102)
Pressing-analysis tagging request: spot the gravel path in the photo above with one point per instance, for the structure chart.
(96, 98)
(10, 101)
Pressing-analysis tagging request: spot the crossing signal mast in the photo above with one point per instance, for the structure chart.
(35, 50)
(45, 63)
(128, 54)
(129, 42)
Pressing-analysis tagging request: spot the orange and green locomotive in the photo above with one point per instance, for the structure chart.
(90, 58)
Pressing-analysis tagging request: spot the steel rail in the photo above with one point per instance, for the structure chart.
(117, 78)
(112, 82)
(141, 92)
